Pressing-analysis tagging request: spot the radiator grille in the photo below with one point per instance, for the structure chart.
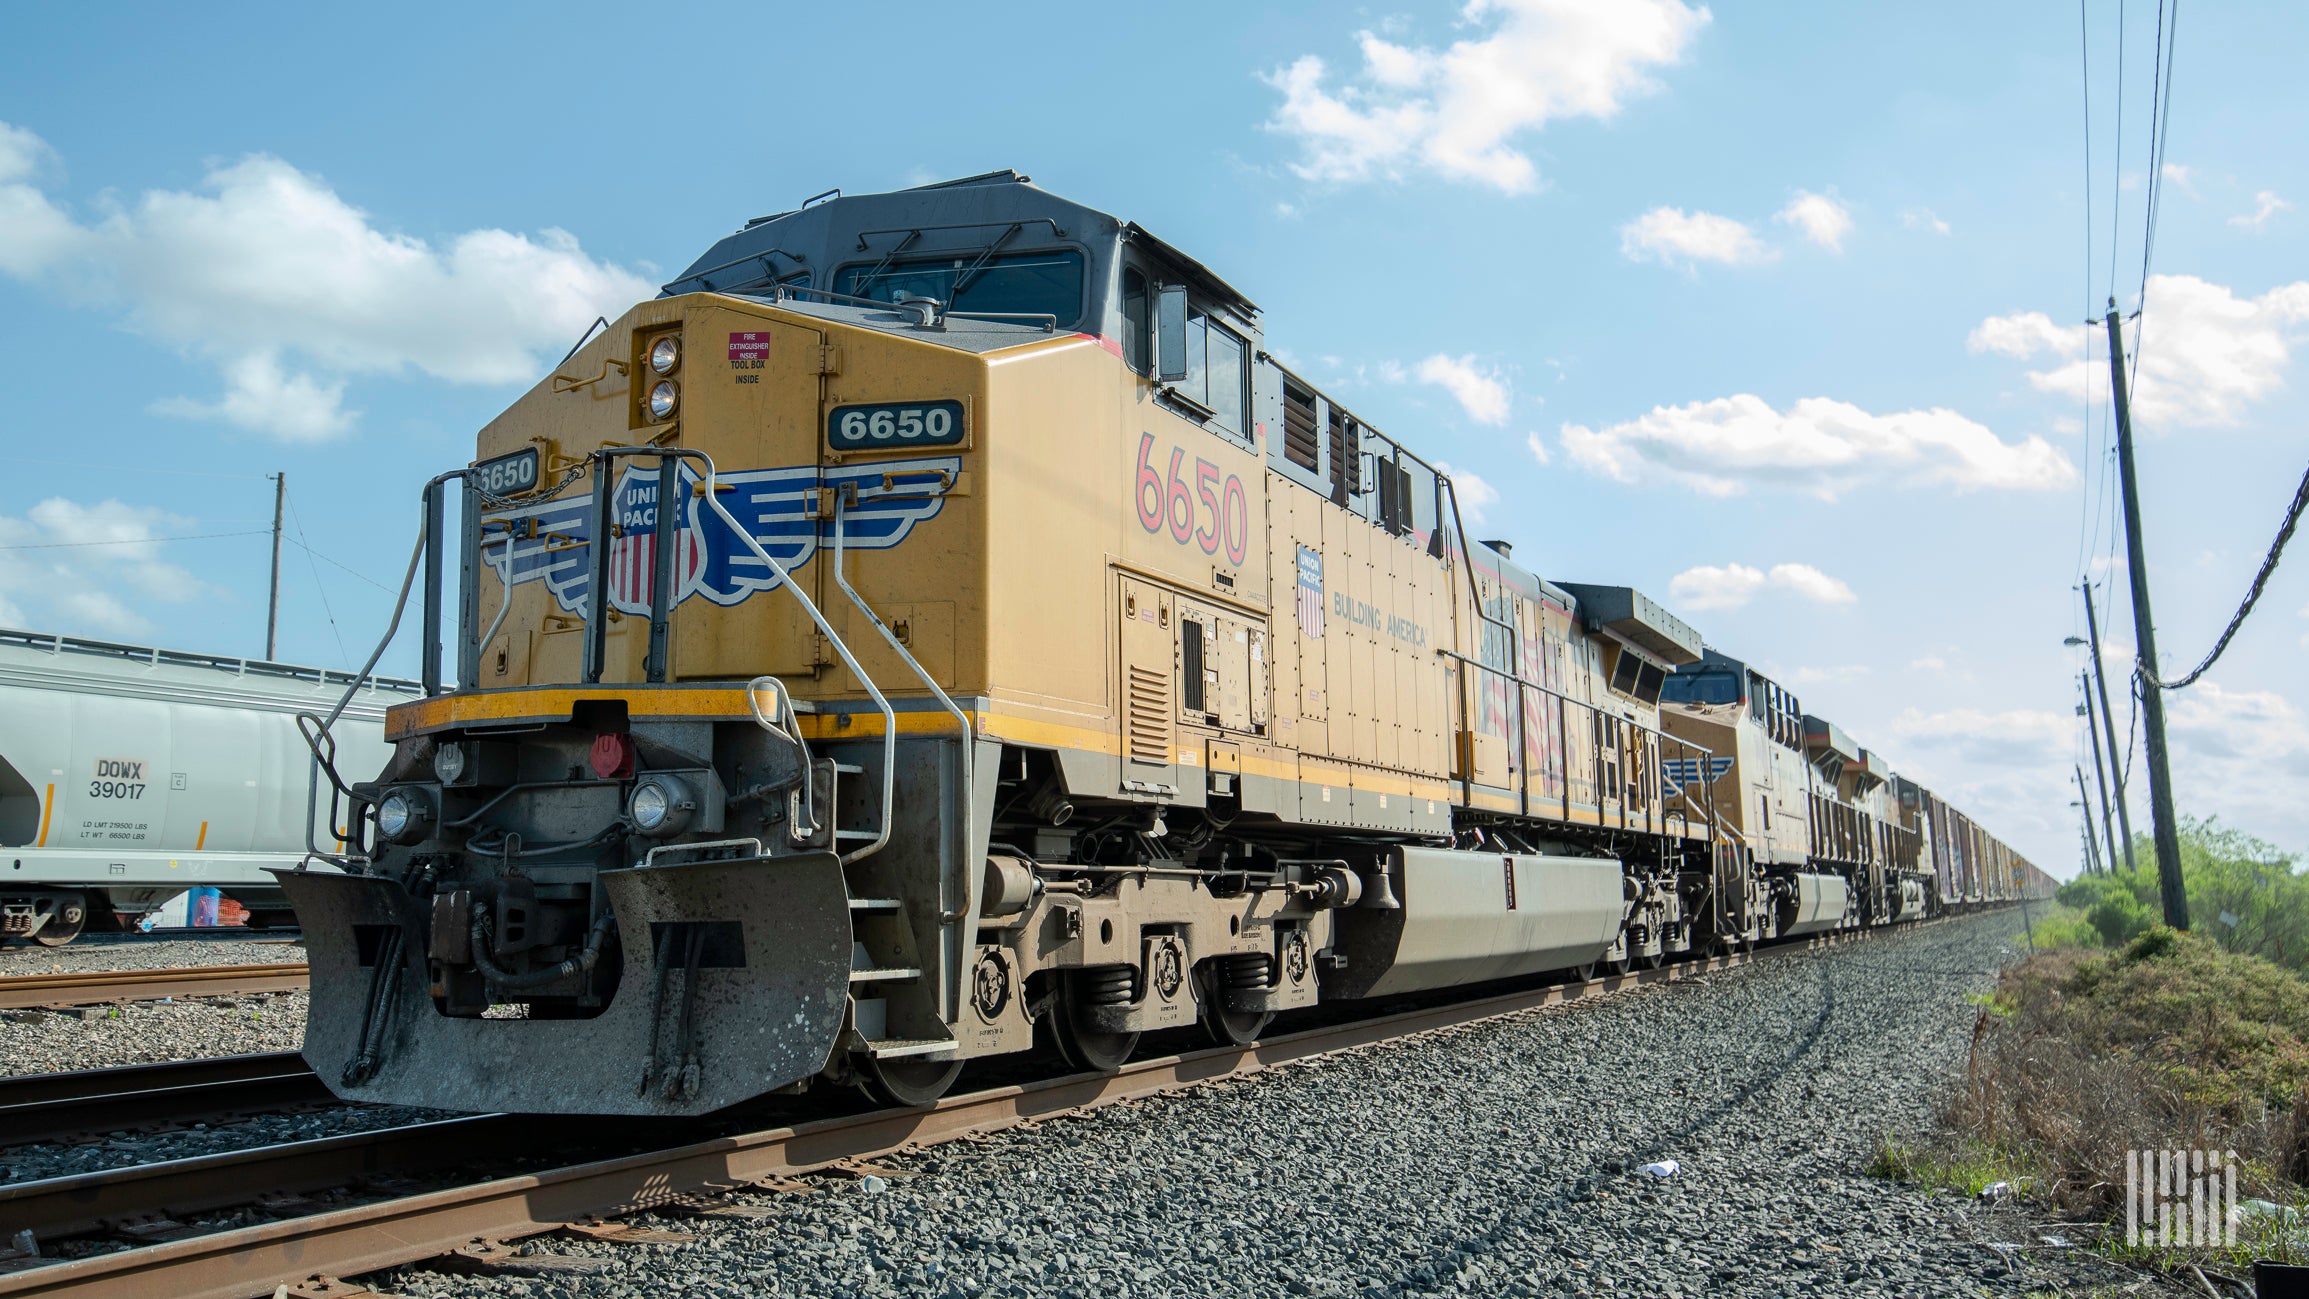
(1150, 715)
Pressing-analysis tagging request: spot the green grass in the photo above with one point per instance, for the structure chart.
(1963, 1167)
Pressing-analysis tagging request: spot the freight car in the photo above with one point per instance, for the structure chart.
(938, 621)
(129, 774)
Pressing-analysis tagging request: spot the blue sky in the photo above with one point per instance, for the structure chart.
(1789, 302)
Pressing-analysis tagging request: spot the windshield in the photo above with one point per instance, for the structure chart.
(1037, 283)
(1701, 688)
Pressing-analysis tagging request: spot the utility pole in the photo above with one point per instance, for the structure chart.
(2167, 834)
(273, 605)
(2085, 806)
(2109, 729)
(2100, 778)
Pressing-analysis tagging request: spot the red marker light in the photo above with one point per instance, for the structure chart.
(613, 756)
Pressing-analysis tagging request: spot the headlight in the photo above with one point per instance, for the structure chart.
(662, 399)
(665, 354)
(661, 806)
(449, 761)
(405, 816)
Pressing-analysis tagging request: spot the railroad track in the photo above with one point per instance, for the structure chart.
(98, 987)
(61, 1106)
(143, 1202)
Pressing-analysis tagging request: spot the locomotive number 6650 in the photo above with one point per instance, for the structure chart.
(1212, 512)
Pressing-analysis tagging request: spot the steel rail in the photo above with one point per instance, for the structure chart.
(59, 1106)
(83, 1203)
(96, 987)
(255, 1260)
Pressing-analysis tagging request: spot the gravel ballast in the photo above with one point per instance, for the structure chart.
(1502, 1158)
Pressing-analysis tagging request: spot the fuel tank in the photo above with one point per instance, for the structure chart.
(1468, 917)
(1818, 903)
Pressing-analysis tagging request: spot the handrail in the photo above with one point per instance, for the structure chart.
(1657, 810)
(316, 735)
(969, 733)
(712, 499)
(1550, 690)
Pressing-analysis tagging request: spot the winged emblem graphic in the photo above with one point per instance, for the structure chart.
(552, 541)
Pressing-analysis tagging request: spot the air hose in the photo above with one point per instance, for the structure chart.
(578, 964)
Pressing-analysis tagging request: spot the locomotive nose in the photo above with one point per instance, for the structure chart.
(734, 981)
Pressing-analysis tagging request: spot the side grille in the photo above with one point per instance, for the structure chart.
(1150, 715)
(1300, 443)
(1346, 457)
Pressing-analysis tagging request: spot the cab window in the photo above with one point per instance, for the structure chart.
(1217, 372)
(1043, 283)
(1135, 335)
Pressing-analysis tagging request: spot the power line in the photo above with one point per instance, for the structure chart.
(2147, 671)
(340, 564)
(322, 587)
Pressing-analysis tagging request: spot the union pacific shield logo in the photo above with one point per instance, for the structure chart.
(551, 542)
(1310, 601)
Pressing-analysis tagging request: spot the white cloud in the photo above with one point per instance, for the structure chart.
(1923, 218)
(1538, 449)
(1823, 220)
(2204, 353)
(1480, 391)
(1732, 585)
(2023, 737)
(21, 152)
(1455, 112)
(268, 273)
(1929, 663)
(69, 566)
(1812, 584)
(1671, 236)
(1819, 676)
(1711, 586)
(2183, 177)
(1473, 493)
(1819, 446)
(259, 396)
(2266, 204)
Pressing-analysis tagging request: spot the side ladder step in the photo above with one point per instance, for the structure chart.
(849, 769)
(890, 974)
(861, 836)
(874, 904)
(899, 1048)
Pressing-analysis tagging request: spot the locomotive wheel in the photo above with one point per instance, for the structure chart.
(1228, 1027)
(1079, 1044)
(907, 1083)
(64, 926)
(1582, 973)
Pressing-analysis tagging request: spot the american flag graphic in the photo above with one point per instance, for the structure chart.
(633, 567)
(1310, 593)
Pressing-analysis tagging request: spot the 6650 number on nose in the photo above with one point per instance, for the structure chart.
(894, 424)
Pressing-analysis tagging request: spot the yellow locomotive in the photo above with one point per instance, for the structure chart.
(938, 619)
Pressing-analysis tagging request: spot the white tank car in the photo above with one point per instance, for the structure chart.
(128, 774)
